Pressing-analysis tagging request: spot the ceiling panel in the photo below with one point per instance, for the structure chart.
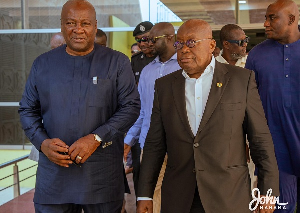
(220, 12)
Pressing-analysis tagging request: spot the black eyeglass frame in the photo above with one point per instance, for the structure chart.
(240, 42)
(189, 43)
(143, 39)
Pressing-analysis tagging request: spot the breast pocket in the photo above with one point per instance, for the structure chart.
(229, 111)
(101, 93)
(231, 106)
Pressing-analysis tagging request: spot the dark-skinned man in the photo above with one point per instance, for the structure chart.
(276, 65)
(138, 62)
(79, 101)
(161, 38)
(200, 117)
(234, 42)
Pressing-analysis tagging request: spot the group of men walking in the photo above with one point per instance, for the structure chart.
(185, 113)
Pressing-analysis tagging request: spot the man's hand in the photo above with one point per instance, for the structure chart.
(83, 148)
(52, 148)
(248, 153)
(266, 208)
(127, 149)
(144, 206)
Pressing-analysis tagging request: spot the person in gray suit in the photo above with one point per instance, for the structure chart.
(79, 100)
(200, 117)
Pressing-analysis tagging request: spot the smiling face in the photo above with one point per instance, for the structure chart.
(194, 60)
(144, 46)
(79, 27)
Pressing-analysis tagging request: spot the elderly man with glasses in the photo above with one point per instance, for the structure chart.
(234, 43)
(200, 117)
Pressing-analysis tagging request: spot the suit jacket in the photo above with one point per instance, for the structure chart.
(214, 159)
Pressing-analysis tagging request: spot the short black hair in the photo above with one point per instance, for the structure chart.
(101, 33)
(134, 44)
(226, 32)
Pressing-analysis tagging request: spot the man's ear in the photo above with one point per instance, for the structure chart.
(225, 44)
(292, 19)
(212, 45)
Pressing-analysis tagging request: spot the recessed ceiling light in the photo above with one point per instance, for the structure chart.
(242, 2)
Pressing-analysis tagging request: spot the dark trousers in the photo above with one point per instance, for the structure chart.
(136, 156)
(197, 205)
(288, 186)
(111, 207)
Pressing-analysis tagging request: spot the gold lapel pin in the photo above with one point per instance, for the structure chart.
(219, 84)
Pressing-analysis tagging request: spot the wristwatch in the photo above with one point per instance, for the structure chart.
(97, 138)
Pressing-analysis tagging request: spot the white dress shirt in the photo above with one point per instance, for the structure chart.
(196, 95)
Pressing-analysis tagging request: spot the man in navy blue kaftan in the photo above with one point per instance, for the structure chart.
(277, 69)
(79, 100)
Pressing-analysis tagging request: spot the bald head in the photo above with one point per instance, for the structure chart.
(162, 38)
(57, 40)
(194, 46)
(164, 28)
(290, 8)
(83, 4)
(198, 26)
(287, 5)
(79, 26)
(281, 22)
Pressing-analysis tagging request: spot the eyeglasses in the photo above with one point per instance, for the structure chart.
(189, 43)
(240, 42)
(143, 39)
(153, 40)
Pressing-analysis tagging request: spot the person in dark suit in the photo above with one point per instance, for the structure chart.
(200, 117)
(79, 100)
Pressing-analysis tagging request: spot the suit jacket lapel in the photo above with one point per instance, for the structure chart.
(178, 87)
(220, 80)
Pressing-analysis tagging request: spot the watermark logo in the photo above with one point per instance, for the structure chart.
(268, 199)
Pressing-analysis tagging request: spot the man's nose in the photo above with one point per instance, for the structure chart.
(185, 49)
(266, 23)
(78, 28)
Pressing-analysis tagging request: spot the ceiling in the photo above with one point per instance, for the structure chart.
(251, 15)
(216, 12)
(220, 12)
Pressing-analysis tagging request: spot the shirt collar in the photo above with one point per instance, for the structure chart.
(240, 62)
(208, 69)
(156, 60)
